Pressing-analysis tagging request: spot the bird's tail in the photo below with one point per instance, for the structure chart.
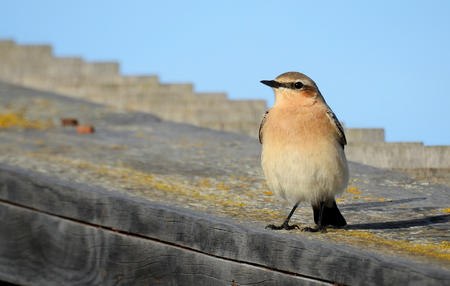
(331, 216)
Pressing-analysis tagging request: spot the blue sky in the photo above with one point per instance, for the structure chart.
(377, 63)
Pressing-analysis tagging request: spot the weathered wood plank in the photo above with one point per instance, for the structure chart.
(40, 249)
(221, 238)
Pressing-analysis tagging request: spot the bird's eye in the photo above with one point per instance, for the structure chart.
(298, 85)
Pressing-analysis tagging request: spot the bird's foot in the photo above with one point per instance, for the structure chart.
(321, 229)
(283, 226)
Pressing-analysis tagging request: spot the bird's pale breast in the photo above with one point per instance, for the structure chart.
(301, 157)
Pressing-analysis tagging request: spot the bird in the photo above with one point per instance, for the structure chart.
(302, 155)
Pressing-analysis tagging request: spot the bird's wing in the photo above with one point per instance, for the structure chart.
(261, 126)
(338, 127)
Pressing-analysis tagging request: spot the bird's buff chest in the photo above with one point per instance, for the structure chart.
(299, 127)
(300, 158)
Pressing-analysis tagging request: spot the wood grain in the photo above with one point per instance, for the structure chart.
(40, 249)
(205, 235)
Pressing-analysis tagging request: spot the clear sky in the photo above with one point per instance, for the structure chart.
(377, 63)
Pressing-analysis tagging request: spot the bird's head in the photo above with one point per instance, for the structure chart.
(294, 87)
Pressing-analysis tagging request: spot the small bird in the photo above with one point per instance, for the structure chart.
(303, 155)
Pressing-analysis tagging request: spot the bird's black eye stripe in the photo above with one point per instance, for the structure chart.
(291, 85)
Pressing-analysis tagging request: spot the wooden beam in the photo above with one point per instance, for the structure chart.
(199, 233)
(41, 249)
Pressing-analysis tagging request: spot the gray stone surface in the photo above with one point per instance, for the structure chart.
(35, 66)
(391, 217)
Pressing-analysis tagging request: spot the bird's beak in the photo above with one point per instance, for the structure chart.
(271, 83)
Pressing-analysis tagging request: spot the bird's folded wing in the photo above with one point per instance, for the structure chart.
(261, 126)
(337, 126)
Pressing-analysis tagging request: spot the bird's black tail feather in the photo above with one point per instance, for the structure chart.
(331, 216)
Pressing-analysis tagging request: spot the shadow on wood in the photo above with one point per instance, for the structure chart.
(402, 224)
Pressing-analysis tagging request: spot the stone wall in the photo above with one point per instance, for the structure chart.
(35, 66)
(399, 155)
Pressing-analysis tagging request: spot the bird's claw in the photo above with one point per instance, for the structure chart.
(283, 226)
(322, 229)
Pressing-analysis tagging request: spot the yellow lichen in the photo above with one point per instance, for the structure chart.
(151, 181)
(205, 182)
(142, 135)
(118, 147)
(11, 120)
(353, 190)
(222, 186)
(441, 250)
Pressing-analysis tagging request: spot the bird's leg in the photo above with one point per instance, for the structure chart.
(320, 227)
(285, 224)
